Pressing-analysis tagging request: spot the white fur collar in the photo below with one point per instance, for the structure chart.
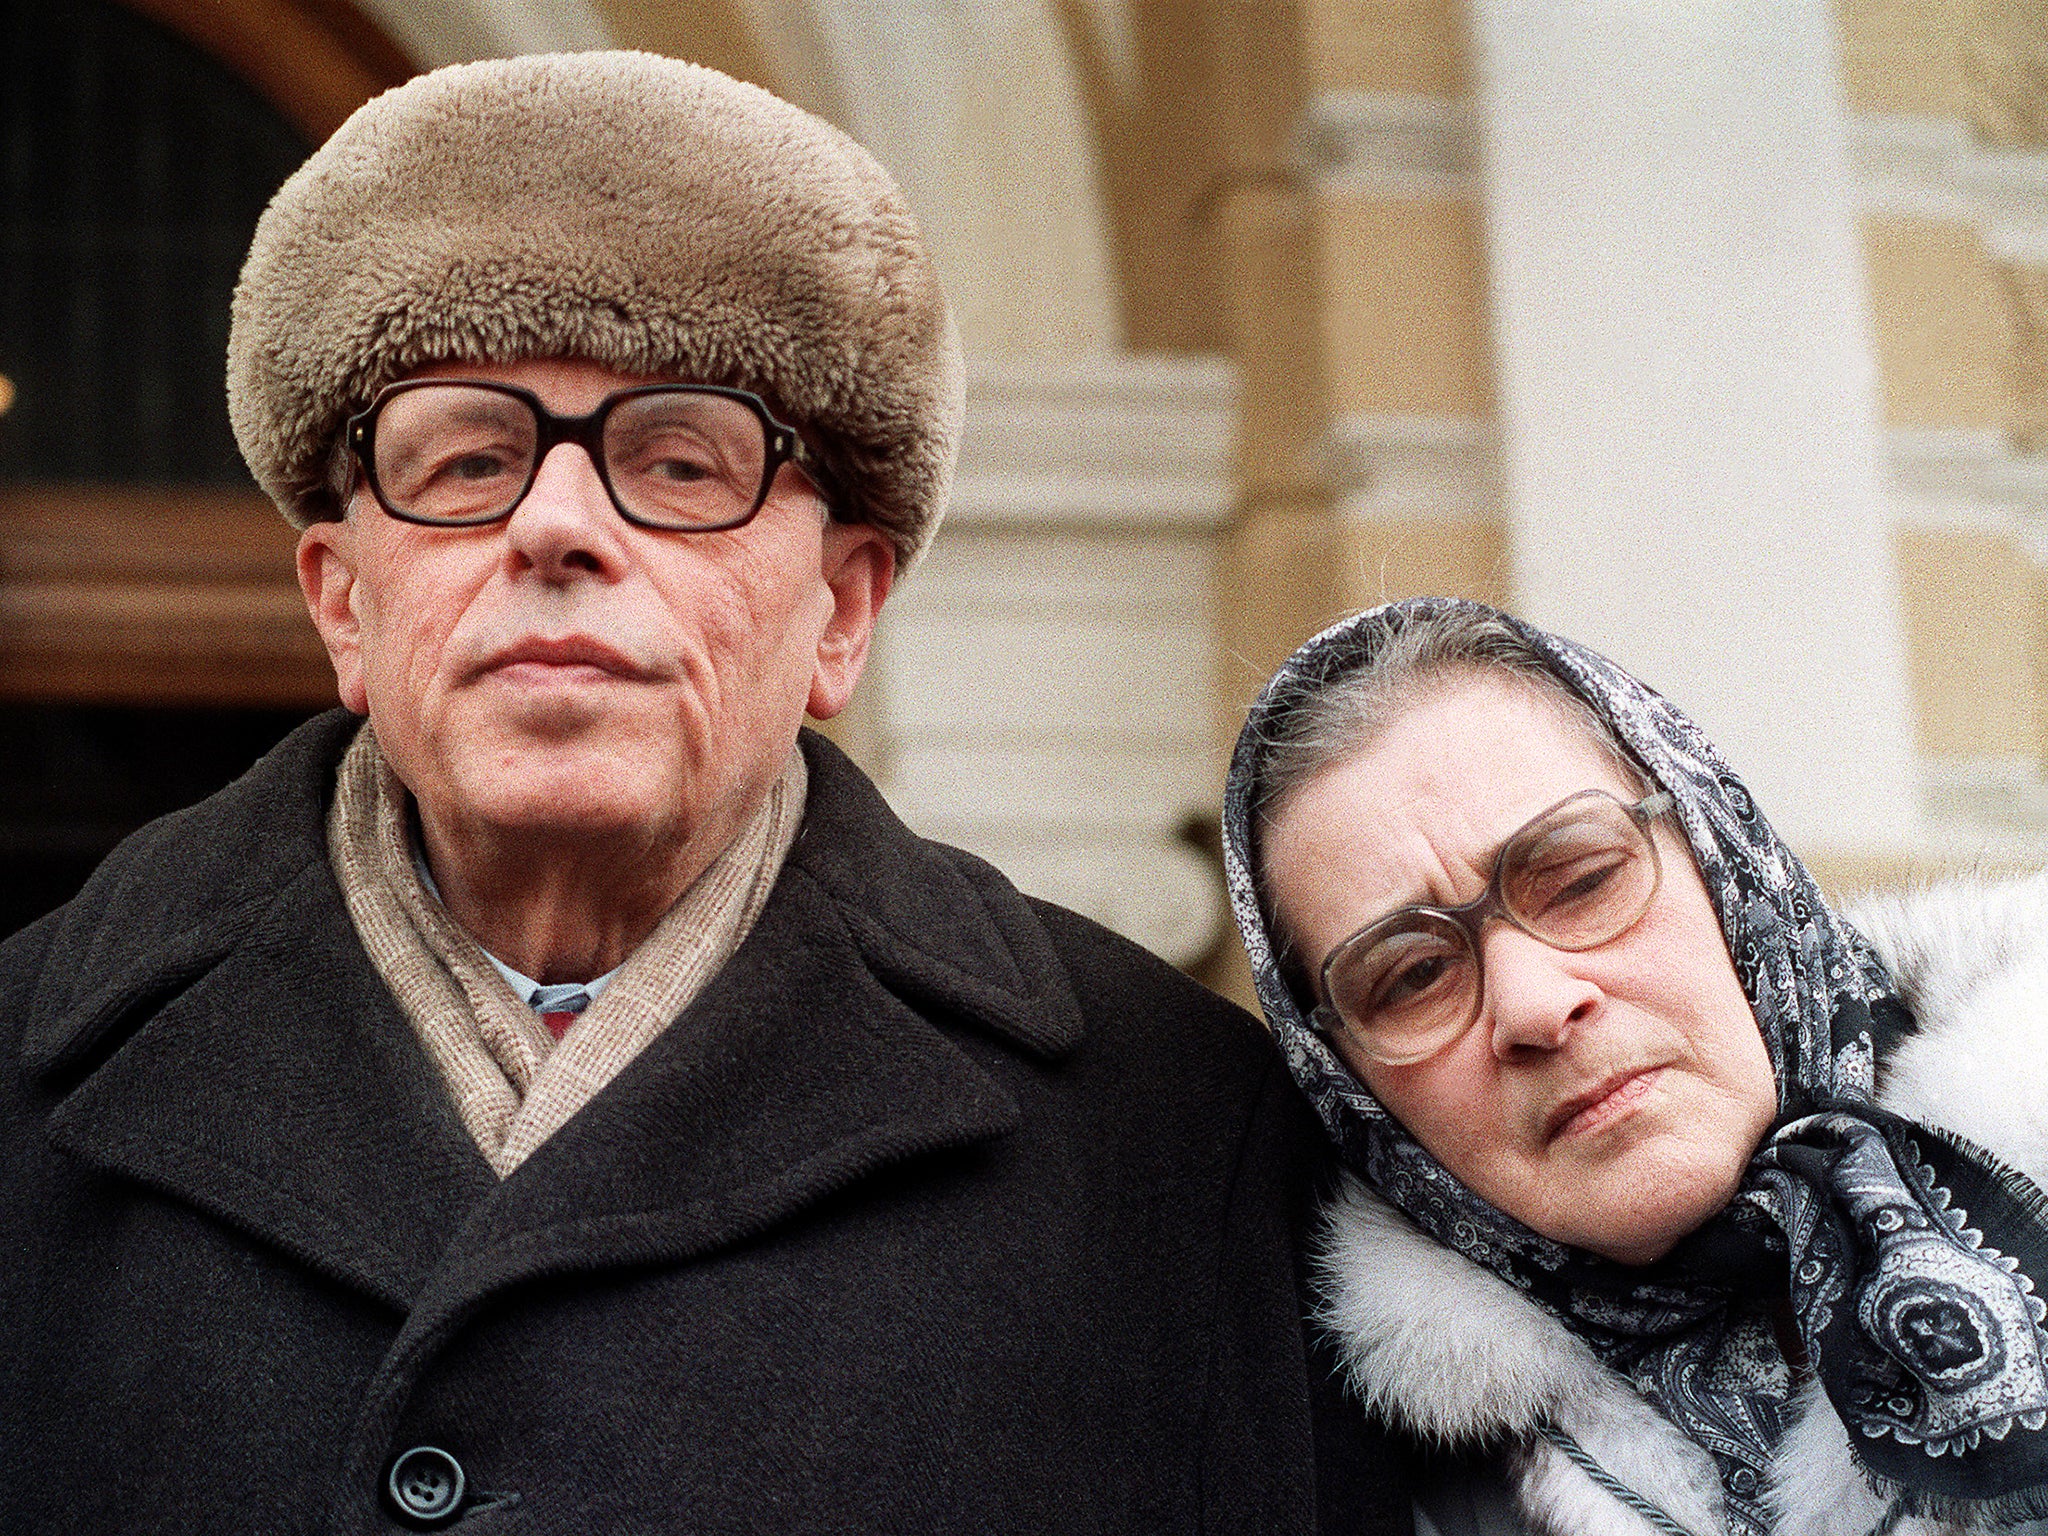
(1461, 1359)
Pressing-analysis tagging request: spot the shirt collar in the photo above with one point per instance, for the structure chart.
(542, 999)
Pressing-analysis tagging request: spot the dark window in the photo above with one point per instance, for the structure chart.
(132, 170)
(75, 780)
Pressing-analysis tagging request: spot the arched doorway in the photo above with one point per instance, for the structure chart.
(152, 642)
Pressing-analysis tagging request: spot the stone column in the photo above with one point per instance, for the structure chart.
(1042, 679)
(1353, 254)
(1688, 397)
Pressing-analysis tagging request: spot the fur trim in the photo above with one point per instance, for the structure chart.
(1971, 962)
(1443, 1348)
(1816, 1487)
(1558, 1498)
(1459, 1358)
(650, 215)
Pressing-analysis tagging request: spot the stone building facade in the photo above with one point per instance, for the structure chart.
(1714, 335)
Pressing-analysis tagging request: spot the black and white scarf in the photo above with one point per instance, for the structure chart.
(1910, 1257)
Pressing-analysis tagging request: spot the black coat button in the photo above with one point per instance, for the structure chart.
(424, 1487)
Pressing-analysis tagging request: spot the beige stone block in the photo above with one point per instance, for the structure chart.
(1276, 306)
(1257, 79)
(1281, 577)
(1940, 330)
(2006, 62)
(1288, 572)
(1388, 560)
(1404, 321)
(1970, 599)
(1386, 45)
(1155, 108)
(1906, 55)
(2024, 288)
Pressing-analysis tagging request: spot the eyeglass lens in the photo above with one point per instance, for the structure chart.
(676, 458)
(1576, 877)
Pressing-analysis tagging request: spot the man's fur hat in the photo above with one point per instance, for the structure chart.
(649, 215)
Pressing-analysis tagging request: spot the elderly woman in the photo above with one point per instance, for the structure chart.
(1673, 1203)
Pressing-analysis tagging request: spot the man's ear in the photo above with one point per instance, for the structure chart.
(859, 567)
(327, 575)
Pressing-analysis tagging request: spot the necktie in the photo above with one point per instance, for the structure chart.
(558, 1006)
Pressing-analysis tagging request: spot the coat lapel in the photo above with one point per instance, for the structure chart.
(251, 1062)
(936, 924)
(281, 1091)
(820, 1053)
(831, 1046)
(796, 1073)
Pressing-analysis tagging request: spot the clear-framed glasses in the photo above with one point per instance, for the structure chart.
(1580, 875)
(455, 453)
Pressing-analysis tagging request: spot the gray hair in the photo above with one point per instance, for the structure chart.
(1333, 718)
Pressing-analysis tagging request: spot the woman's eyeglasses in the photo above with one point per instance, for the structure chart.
(1580, 875)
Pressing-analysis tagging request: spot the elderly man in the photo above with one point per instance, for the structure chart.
(571, 1102)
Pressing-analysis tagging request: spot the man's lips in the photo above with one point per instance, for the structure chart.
(1606, 1101)
(568, 652)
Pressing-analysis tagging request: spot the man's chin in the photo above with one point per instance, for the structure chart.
(560, 716)
(565, 809)
(593, 783)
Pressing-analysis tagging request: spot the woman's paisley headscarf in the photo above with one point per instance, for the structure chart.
(1910, 1257)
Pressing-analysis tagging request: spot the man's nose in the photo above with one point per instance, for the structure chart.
(1535, 995)
(566, 524)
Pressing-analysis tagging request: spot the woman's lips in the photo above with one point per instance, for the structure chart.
(1600, 1106)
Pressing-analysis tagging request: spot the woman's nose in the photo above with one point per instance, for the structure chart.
(566, 523)
(1535, 995)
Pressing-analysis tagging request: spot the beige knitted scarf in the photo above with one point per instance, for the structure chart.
(513, 1084)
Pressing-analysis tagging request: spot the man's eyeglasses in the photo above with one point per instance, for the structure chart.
(1580, 875)
(457, 453)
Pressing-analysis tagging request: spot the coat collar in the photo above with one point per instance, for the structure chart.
(222, 1037)
(936, 924)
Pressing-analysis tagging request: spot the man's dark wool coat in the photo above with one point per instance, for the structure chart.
(940, 1210)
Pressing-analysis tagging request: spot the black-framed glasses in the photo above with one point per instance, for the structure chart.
(456, 453)
(1407, 985)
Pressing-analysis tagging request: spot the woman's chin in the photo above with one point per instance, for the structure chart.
(1634, 1204)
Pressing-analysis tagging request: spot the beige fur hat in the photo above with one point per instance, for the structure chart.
(650, 215)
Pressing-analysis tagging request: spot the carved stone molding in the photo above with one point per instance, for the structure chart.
(1990, 809)
(1391, 467)
(1098, 442)
(1389, 143)
(1949, 477)
(1043, 681)
(1934, 168)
